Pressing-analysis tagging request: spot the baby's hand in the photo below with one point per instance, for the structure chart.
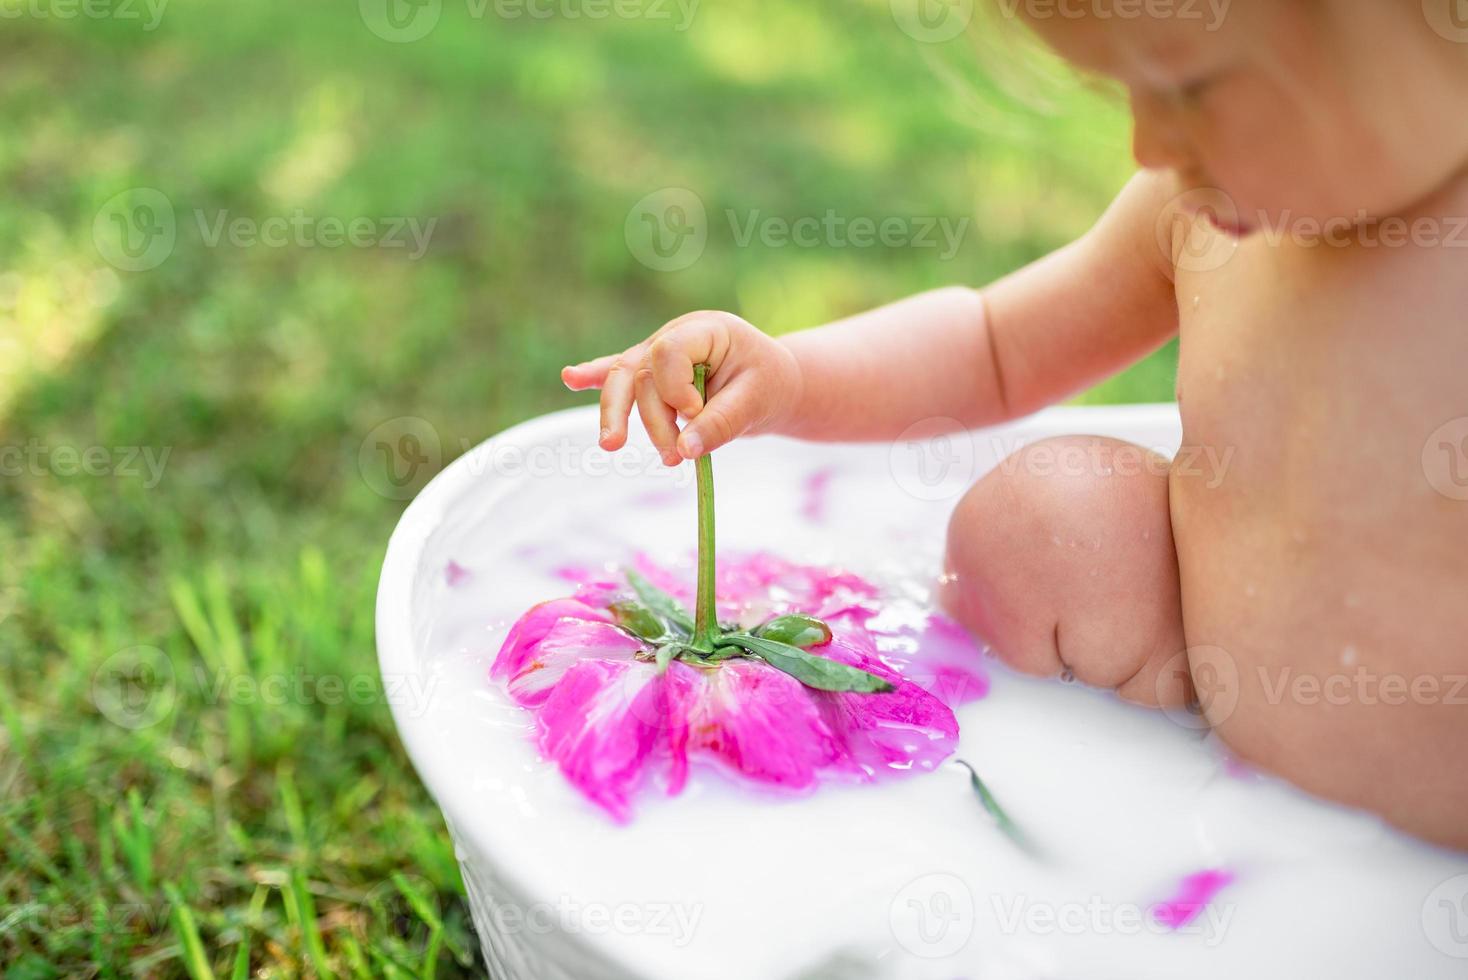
(754, 384)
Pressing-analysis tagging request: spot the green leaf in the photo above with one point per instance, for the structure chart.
(992, 807)
(795, 629)
(637, 619)
(664, 605)
(821, 673)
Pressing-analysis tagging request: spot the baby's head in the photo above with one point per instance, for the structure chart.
(1319, 109)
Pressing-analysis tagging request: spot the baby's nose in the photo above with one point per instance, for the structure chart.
(1156, 142)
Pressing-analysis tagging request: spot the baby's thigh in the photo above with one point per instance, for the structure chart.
(1062, 558)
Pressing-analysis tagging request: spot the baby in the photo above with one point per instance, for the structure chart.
(1300, 223)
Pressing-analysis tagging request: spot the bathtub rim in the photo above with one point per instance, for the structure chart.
(402, 566)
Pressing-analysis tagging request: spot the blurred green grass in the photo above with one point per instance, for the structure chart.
(287, 835)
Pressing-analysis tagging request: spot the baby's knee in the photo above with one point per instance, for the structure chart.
(1061, 558)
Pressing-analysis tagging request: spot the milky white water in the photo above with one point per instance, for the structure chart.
(907, 878)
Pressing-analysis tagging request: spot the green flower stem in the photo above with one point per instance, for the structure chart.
(705, 622)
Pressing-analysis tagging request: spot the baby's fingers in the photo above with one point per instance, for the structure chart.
(616, 402)
(730, 413)
(588, 374)
(700, 338)
(658, 418)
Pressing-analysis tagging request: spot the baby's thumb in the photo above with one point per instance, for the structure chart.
(726, 416)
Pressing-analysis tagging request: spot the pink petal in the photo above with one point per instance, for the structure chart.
(677, 585)
(904, 729)
(569, 641)
(594, 586)
(1194, 892)
(456, 575)
(762, 723)
(532, 627)
(936, 654)
(679, 689)
(817, 494)
(601, 725)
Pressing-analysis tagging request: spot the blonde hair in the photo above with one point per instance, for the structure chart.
(1007, 79)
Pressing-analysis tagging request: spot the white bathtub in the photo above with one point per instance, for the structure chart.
(905, 879)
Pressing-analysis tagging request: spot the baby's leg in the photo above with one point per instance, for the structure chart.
(1062, 558)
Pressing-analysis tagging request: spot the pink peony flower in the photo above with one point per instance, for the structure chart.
(611, 719)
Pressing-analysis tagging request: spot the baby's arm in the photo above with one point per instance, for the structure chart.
(979, 357)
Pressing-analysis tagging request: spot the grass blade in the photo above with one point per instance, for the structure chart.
(187, 932)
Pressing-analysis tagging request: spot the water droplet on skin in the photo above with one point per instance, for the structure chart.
(1197, 301)
(947, 578)
(1066, 676)
(1348, 656)
(1146, 535)
(1250, 591)
(1219, 373)
(1055, 539)
(1298, 535)
(1352, 600)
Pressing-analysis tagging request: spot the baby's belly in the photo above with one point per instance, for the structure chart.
(1325, 619)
